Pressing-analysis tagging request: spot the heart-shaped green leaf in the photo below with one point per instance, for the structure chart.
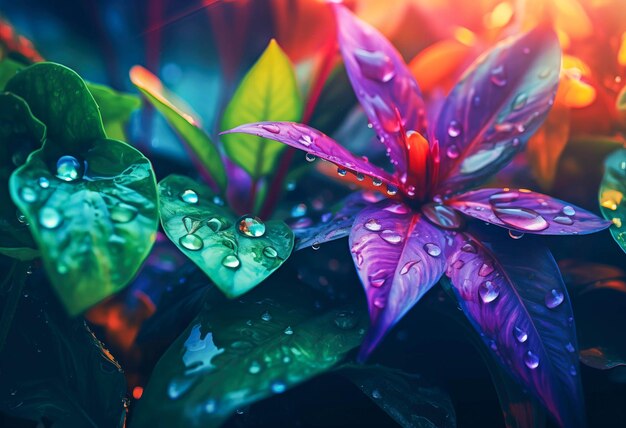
(184, 121)
(20, 133)
(612, 190)
(269, 92)
(115, 109)
(239, 352)
(237, 254)
(91, 202)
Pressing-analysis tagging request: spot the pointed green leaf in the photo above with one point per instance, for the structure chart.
(211, 236)
(238, 352)
(91, 203)
(115, 108)
(183, 120)
(407, 398)
(612, 190)
(20, 133)
(269, 92)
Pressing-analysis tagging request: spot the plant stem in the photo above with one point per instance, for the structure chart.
(18, 278)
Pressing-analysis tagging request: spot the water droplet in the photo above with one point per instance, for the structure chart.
(28, 194)
(564, 220)
(270, 252)
(468, 248)
(520, 334)
(433, 250)
(554, 298)
(299, 210)
(49, 218)
(341, 172)
(498, 76)
(376, 282)
(271, 128)
(231, 261)
(391, 190)
(310, 157)
(189, 196)
(375, 65)
(306, 140)
(380, 302)
(520, 101)
(572, 370)
(452, 151)
(515, 234)
(485, 270)
(377, 182)
(68, 168)
(44, 183)
(568, 210)
(240, 411)
(266, 316)
(360, 176)
(398, 209)
(250, 226)
(278, 387)
(570, 348)
(531, 360)
(442, 216)
(315, 246)
(504, 197)
(373, 225)
(288, 331)
(214, 224)
(218, 201)
(454, 129)
(376, 394)
(191, 242)
(345, 320)
(489, 291)
(255, 367)
(407, 266)
(210, 406)
(521, 218)
(391, 237)
(122, 213)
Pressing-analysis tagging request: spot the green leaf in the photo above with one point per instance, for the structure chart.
(8, 69)
(115, 108)
(407, 398)
(55, 369)
(20, 133)
(59, 98)
(239, 352)
(612, 189)
(180, 117)
(209, 234)
(269, 92)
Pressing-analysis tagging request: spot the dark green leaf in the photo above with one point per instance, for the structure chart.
(180, 117)
(20, 133)
(407, 398)
(115, 108)
(612, 189)
(269, 92)
(8, 69)
(238, 352)
(211, 236)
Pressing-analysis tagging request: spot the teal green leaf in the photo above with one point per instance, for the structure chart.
(115, 109)
(211, 236)
(241, 351)
(8, 69)
(407, 398)
(612, 190)
(269, 92)
(184, 121)
(59, 98)
(20, 133)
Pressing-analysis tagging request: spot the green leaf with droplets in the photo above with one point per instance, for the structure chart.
(20, 133)
(211, 236)
(269, 92)
(115, 108)
(184, 121)
(612, 191)
(95, 218)
(241, 351)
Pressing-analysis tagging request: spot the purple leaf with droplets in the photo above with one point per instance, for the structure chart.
(382, 82)
(527, 212)
(399, 256)
(515, 298)
(334, 224)
(497, 105)
(317, 144)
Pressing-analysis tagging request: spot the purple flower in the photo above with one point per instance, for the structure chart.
(511, 292)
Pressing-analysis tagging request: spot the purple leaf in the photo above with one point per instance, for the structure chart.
(382, 82)
(316, 144)
(496, 106)
(399, 255)
(515, 298)
(527, 212)
(334, 224)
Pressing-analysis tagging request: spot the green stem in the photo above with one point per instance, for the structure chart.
(17, 276)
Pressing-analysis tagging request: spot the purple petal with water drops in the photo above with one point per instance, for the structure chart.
(497, 105)
(316, 144)
(514, 296)
(334, 224)
(399, 256)
(382, 82)
(527, 212)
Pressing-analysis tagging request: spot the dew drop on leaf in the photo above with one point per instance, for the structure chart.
(520, 335)
(391, 237)
(189, 196)
(498, 76)
(554, 298)
(310, 157)
(68, 168)
(50, 218)
(270, 252)
(454, 129)
(44, 183)
(231, 261)
(28, 194)
(375, 65)
(433, 250)
(488, 291)
(373, 225)
(191, 242)
(250, 226)
(266, 316)
(531, 360)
